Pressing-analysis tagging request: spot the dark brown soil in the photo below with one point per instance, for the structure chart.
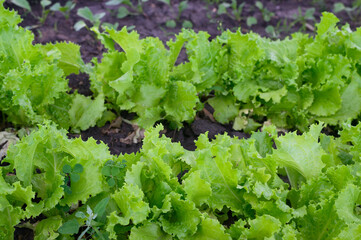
(153, 23)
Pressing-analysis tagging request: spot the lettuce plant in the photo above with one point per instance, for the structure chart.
(33, 87)
(138, 79)
(291, 82)
(228, 188)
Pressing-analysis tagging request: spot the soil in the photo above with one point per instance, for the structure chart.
(152, 22)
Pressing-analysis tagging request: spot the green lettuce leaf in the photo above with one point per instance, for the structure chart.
(182, 218)
(149, 230)
(301, 155)
(85, 112)
(46, 228)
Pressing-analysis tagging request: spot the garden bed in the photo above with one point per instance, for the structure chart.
(119, 135)
(152, 22)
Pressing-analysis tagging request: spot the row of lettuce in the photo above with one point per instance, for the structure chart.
(33, 84)
(246, 78)
(290, 82)
(226, 189)
(307, 187)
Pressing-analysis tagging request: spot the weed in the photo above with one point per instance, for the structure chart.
(65, 10)
(352, 12)
(303, 19)
(236, 9)
(87, 14)
(266, 14)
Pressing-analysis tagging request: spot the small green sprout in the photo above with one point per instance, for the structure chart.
(71, 175)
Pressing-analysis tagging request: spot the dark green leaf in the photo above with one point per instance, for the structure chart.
(101, 206)
(69, 227)
(78, 168)
(67, 189)
(111, 182)
(115, 171)
(67, 169)
(107, 171)
(74, 177)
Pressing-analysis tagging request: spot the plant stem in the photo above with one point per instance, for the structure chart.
(83, 233)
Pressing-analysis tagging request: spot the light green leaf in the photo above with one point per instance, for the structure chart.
(85, 112)
(349, 232)
(197, 189)
(70, 61)
(186, 94)
(225, 108)
(126, 40)
(214, 166)
(346, 203)
(262, 227)
(211, 229)
(149, 231)
(46, 228)
(129, 199)
(326, 102)
(302, 154)
(327, 24)
(182, 218)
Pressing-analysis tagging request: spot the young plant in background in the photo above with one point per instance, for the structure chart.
(44, 12)
(251, 21)
(303, 19)
(87, 14)
(282, 26)
(22, 3)
(320, 4)
(65, 10)
(171, 24)
(182, 6)
(122, 11)
(187, 24)
(235, 9)
(138, 8)
(352, 12)
(272, 32)
(266, 14)
(165, 1)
